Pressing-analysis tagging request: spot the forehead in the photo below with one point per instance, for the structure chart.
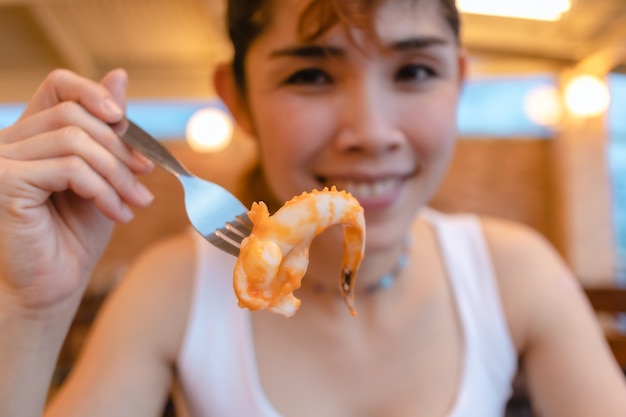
(393, 19)
(400, 15)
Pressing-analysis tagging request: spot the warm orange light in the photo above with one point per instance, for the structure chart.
(586, 96)
(542, 106)
(209, 130)
(549, 10)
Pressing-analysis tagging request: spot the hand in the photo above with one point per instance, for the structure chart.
(65, 177)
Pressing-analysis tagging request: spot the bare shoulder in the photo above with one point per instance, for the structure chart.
(524, 258)
(518, 250)
(169, 262)
(510, 240)
(562, 347)
(160, 282)
(534, 280)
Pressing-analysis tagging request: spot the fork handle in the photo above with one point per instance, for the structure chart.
(144, 143)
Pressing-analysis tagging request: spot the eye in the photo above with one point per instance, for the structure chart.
(309, 76)
(415, 73)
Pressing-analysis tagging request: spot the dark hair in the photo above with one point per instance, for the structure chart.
(247, 19)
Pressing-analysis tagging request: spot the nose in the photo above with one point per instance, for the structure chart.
(368, 121)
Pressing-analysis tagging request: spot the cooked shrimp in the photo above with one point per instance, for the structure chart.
(275, 257)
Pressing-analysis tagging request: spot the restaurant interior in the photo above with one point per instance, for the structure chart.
(542, 126)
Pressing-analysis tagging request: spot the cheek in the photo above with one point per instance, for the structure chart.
(434, 131)
(291, 125)
(290, 138)
(286, 138)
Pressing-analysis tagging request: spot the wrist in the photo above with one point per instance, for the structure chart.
(30, 347)
(19, 309)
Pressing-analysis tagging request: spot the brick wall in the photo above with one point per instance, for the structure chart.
(506, 178)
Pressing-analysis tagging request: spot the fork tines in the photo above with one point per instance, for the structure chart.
(229, 237)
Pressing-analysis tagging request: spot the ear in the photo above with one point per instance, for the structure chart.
(463, 62)
(229, 92)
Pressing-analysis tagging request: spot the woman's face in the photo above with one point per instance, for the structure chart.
(377, 118)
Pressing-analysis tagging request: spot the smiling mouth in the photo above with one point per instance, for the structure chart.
(366, 190)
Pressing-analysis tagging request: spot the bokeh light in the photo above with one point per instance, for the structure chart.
(586, 96)
(542, 105)
(209, 130)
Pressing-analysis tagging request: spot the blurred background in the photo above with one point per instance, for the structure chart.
(542, 119)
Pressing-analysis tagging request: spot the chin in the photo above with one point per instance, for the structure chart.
(380, 235)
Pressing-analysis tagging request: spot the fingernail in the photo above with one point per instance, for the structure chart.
(127, 214)
(143, 161)
(144, 194)
(111, 107)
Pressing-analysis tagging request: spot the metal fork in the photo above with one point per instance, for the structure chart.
(212, 210)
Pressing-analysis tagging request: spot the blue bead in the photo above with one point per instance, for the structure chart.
(385, 282)
(404, 259)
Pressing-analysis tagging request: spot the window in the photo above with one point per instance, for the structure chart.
(617, 164)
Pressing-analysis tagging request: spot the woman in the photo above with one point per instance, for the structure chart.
(361, 95)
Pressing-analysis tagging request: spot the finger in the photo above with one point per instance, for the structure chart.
(72, 141)
(72, 173)
(29, 185)
(63, 85)
(116, 82)
(66, 117)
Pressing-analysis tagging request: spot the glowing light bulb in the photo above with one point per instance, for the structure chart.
(209, 130)
(543, 106)
(587, 96)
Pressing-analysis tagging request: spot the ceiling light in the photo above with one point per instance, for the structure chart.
(548, 10)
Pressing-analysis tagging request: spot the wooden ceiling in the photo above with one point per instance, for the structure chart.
(169, 47)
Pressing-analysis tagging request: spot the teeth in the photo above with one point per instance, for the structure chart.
(366, 190)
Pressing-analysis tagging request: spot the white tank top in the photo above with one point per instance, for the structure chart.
(217, 373)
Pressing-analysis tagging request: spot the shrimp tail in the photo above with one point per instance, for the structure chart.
(354, 238)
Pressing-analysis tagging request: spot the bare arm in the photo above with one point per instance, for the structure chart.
(28, 352)
(127, 364)
(570, 369)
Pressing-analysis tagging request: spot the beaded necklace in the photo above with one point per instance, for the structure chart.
(384, 282)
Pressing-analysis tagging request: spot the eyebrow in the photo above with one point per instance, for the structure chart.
(422, 42)
(307, 51)
(321, 51)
